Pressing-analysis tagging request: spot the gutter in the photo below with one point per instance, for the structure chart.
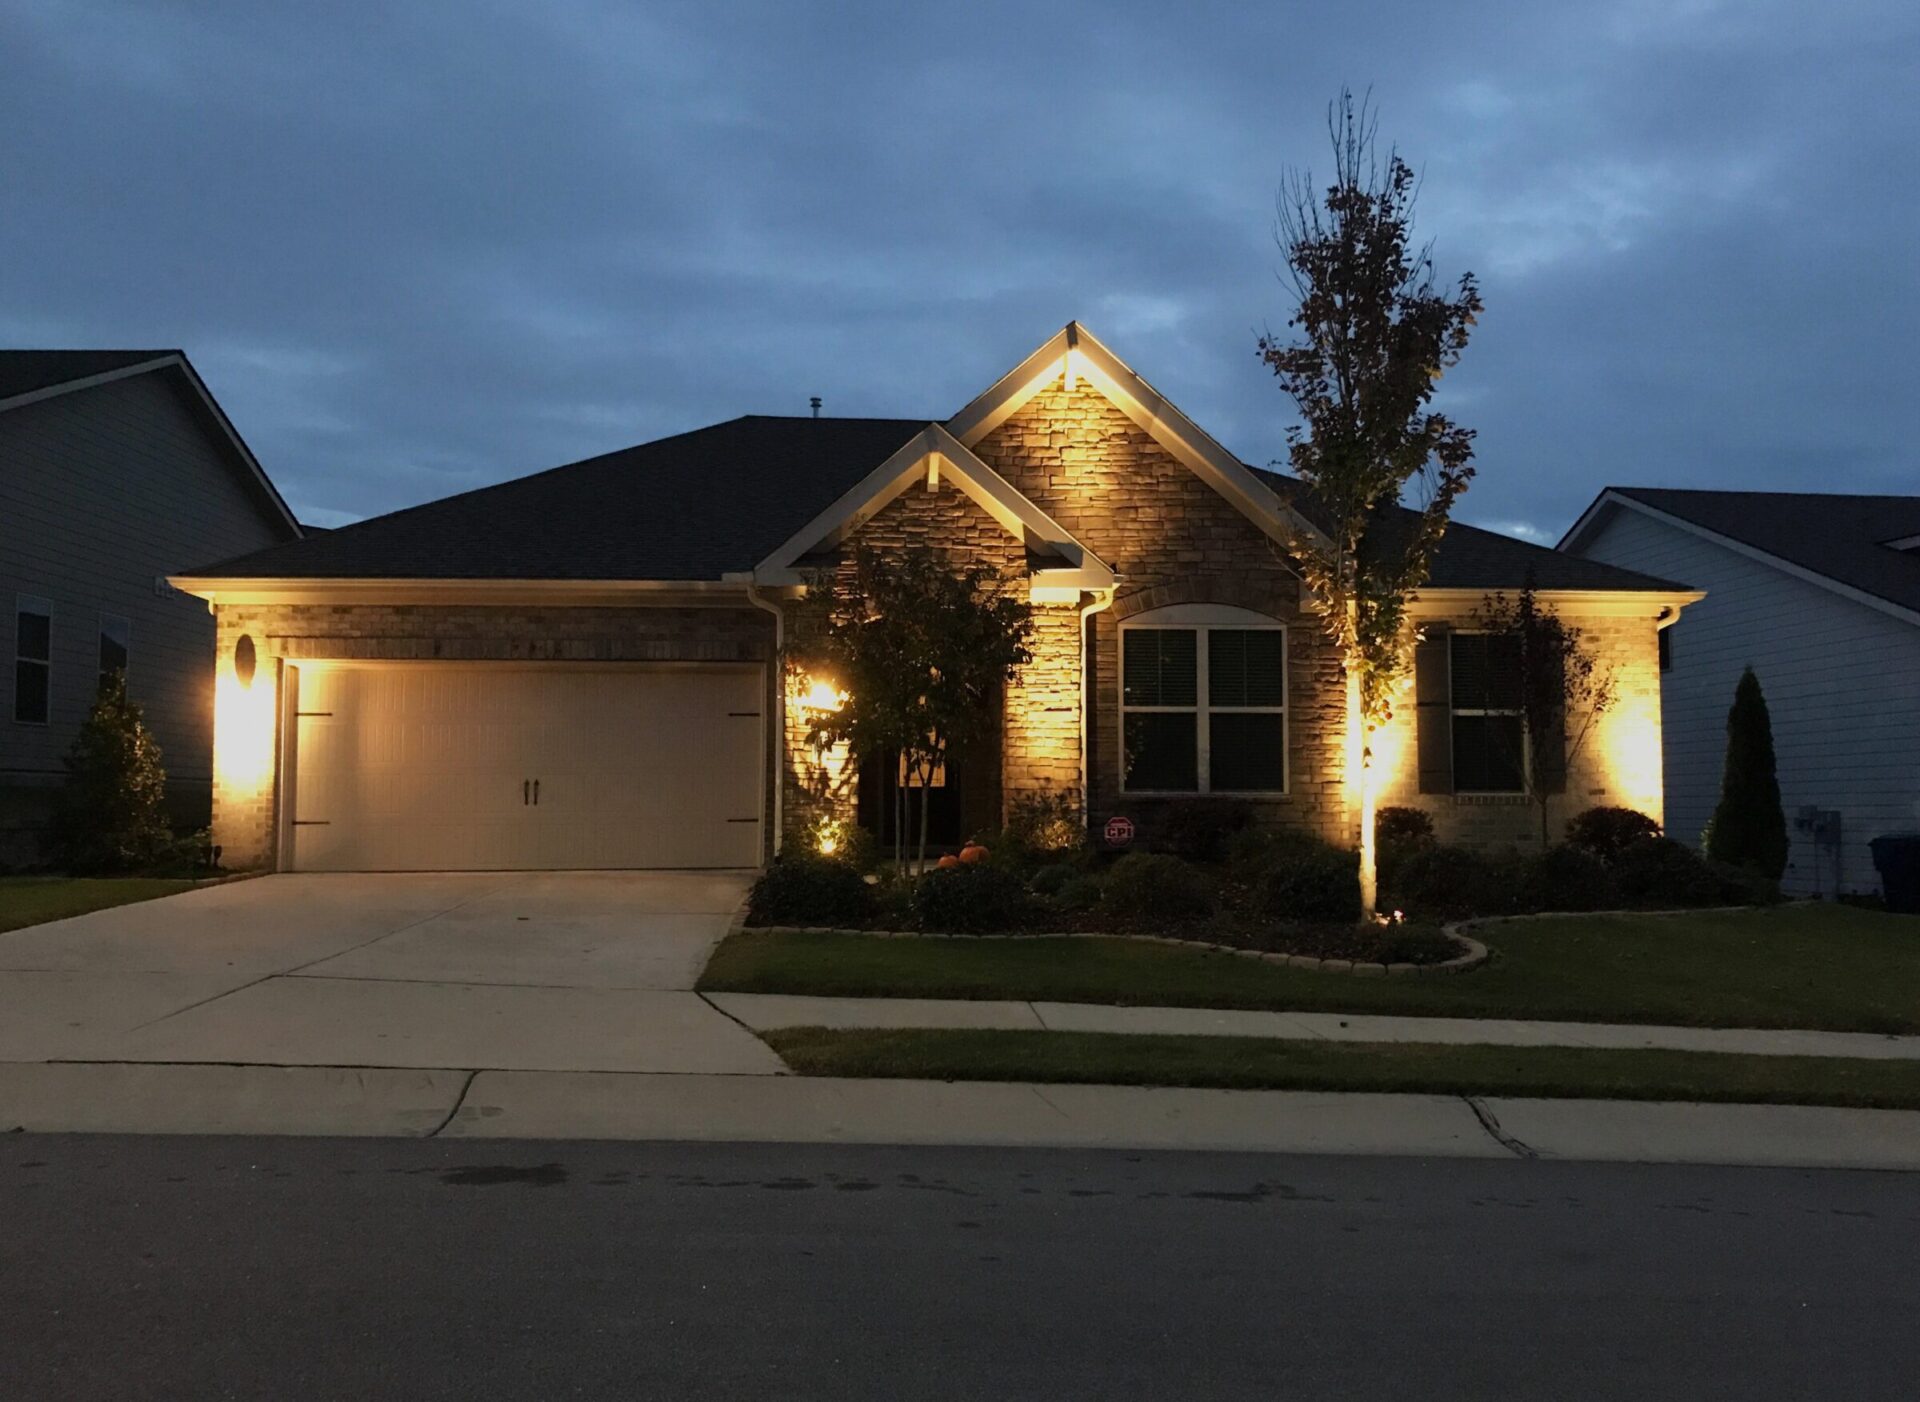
(778, 672)
(1089, 694)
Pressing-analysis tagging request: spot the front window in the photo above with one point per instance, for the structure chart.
(1489, 733)
(1203, 709)
(32, 659)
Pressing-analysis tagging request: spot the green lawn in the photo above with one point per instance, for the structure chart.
(1257, 1063)
(33, 900)
(1821, 966)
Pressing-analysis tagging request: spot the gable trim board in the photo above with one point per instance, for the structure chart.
(1074, 351)
(172, 361)
(929, 456)
(1593, 517)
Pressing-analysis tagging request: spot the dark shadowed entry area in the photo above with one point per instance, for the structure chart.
(964, 801)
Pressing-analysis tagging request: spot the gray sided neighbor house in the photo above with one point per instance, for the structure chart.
(1820, 595)
(117, 468)
(583, 667)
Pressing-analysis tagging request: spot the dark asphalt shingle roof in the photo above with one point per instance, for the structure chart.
(1842, 537)
(25, 371)
(694, 506)
(1472, 558)
(718, 500)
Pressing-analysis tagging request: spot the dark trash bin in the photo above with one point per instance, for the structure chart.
(1897, 858)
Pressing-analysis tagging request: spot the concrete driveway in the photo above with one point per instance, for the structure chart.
(589, 971)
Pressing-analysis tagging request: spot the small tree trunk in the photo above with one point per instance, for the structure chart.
(899, 831)
(926, 791)
(1369, 855)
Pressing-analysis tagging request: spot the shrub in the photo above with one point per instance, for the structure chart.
(1083, 892)
(975, 898)
(1050, 878)
(111, 816)
(1657, 871)
(1317, 883)
(1571, 878)
(1042, 825)
(1454, 883)
(1157, 887)
(1410, 827)
(1199, 829)
(1252, 851)
(1606, 832)
(1397, 834)
(1749, 828)
(799, 889)
(1416, 944)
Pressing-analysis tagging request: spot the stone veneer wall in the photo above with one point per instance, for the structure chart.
(246, 793)
(1173, 539)
(1617, 765)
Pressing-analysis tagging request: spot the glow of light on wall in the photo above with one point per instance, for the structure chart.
(829, 836)
(819, 694)
(243, 726)
(1628, 754)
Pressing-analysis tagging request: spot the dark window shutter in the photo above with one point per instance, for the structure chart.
(1433, 711)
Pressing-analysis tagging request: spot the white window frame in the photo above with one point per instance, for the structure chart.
(1201, 620)
(101, 632)
(45, 609)
(1453, 712)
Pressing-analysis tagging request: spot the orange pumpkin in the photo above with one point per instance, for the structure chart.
(973, 852)
(947, 862)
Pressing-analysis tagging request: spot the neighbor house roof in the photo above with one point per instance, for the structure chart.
(1851, 541)
(32, 376)
(24, 372)
(716, 501)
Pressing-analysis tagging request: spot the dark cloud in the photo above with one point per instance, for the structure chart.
(416, 248)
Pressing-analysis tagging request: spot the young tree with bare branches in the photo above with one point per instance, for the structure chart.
(1372, 334)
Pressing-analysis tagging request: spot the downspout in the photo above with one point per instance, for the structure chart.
(1089, 695)
(779, 713)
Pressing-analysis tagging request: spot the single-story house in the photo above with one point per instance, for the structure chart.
(117, 469)
(581, 668)
(1820, 594)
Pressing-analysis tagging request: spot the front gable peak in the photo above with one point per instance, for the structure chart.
(1077, 355)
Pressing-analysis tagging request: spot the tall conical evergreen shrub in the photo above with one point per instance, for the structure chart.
(1749, 828)
(112, 814)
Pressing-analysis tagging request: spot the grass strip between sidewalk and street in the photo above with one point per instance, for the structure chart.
(34, 900)
(1259, 1063)
(1815, 966)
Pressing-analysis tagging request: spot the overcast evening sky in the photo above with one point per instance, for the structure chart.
(417, 248)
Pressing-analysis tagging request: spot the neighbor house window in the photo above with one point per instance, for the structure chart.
(1203, 709)
(1489, 733)
(32, 659)
(116, 637)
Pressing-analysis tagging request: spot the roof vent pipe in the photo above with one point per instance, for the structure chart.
(814, 400)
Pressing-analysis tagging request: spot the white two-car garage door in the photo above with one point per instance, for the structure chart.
(435, 766)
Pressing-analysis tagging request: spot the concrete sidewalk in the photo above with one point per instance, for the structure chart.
(173, 1099)
(764, 1011)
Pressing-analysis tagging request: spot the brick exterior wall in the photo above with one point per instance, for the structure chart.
(246, 779)
(1618, 764)
(1173, 540)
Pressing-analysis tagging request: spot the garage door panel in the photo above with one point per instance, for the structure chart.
(429, 766)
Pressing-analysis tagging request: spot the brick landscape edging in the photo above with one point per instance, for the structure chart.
(1473, 955)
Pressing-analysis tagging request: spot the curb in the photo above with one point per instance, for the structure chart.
(1474, 953)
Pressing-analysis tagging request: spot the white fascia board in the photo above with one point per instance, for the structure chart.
(1145, 406)
(930, 450)
(558, 592)
(1740, 547)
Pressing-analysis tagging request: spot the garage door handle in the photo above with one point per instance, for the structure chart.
(526, 786)
(536, 793)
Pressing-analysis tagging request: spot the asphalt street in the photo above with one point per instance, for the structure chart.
(289, 1268)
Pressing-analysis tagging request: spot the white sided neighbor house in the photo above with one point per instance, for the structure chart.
(581, 668)
(1820, 595)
